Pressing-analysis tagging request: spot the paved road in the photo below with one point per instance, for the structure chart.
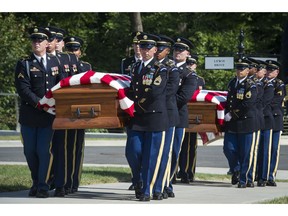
(112, 152)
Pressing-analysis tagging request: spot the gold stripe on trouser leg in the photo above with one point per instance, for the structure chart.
(176, 167)
(168, 166)
(74, 157)
(187, 153)
(251, 154)
(255, 155)
(269, 153)
(65, 155)
(195, 156)
(81, 162)
(277, 158)
(158, 162)
(50, 161)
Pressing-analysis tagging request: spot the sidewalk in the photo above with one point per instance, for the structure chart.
(198, 192)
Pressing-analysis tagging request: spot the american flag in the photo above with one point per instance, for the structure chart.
(121, 82)
(219, 98)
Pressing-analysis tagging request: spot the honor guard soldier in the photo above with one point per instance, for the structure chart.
(164, 45)
(59, 37)
(273, 69)
(127, 63)
(75, 151)
(34, 77)
(186, 88)
(240, 124)
(73, 45)
(145, 140)
(263, 156)
(188, 153)
(61, 138)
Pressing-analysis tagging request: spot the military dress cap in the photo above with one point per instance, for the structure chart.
(53, 30)
(191, 60)
(261, 64)
(73, 42)
(253, 62)
(182, 44)
(164, 42)
(242, 64)
(39, 33)
(272, 65)
(60, 34)
(147, 40)
(134, 36)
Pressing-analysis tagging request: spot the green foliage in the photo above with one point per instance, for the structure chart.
(107, 39)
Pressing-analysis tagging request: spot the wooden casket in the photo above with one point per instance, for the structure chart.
(203, 117)
(88, 106)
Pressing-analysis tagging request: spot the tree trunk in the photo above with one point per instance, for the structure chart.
(136, 22)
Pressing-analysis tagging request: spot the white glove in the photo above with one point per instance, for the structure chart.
(228, 117)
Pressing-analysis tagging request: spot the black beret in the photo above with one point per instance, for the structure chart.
(39, 33)
(182, 44)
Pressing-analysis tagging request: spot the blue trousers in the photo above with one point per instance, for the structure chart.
(275, 153)
(177, 142)
(37, 150)
(164, 169)
(264, 154)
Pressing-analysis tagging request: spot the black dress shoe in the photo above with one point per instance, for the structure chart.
(241, 185)
(67, 190)
(42, 194)
(271, 183)
(165, 195)
(138, 191)
(261, 183)
(157, 196)
(74, 190)
(132, 187)
(235, 178)
(250, 184)
(185, 180)
(144, 198)
(32, 191)
(170, 194)
(59, 192)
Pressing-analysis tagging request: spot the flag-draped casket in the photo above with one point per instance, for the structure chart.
(98, 100)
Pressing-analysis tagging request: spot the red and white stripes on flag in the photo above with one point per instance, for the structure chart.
(121, 82)
(118, 81)
(219, 98)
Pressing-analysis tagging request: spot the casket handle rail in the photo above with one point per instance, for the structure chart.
(86, 111)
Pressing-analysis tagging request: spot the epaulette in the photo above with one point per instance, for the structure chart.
(50, 55)
(250, 83)
(24, 58)
(85, 62)
(170, 63)
(158, 64)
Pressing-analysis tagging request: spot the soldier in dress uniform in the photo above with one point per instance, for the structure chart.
(34, 77)
(126, 63)
(145, 140)
(59, 37)
(240, 124)
(75, 151)
(188, 153)
(187, 87)
(65, 137)
(262, 162)
(164, 45)
(273, 69)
